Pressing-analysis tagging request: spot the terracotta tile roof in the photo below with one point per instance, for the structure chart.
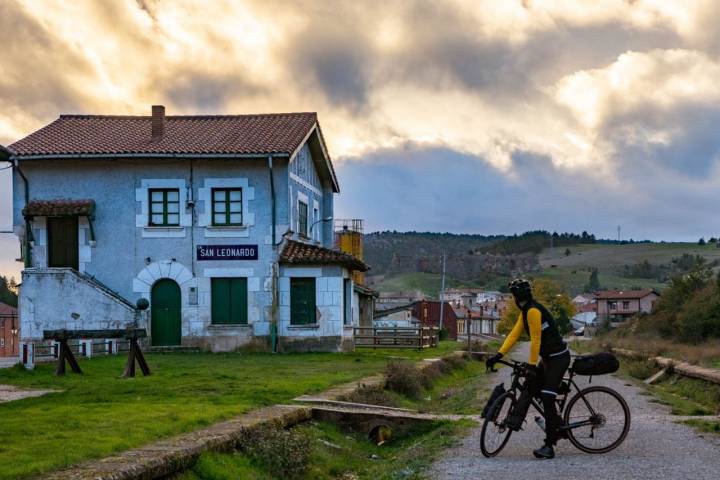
(211, 134)
(7, 310)
(626, 294)
(59, 208)
(298, 253)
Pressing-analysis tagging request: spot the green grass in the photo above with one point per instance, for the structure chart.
(575, 279)
(706, 426)
(336, 453)
(98, 413)
(684, 396)
(427, 283)
(463, 391)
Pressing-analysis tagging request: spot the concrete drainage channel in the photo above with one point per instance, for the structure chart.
(168, 457)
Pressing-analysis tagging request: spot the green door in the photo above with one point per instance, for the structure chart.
(165, 313)
(302, 301)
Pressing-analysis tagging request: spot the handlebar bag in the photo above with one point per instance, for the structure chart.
(597, 364)
(497, 391)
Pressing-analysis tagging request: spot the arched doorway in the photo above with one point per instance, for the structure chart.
(165, 313)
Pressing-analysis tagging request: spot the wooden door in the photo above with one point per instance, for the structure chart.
(62, 242)
(166, 325)
(302, 301)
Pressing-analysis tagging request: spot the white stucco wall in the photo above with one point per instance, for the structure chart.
(57, 298)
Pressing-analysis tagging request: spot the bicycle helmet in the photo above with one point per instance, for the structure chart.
(521, 289)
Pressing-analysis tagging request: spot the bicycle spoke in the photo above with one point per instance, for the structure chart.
(606, 416)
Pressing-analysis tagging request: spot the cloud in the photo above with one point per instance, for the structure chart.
(615, 96)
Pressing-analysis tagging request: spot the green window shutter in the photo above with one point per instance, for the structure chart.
(302, 301)
(229, 301)
(238, 301)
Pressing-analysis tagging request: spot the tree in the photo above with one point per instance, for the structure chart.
(567, 252)
(7, 296)
(555, 299)
(701, 241)
(593, 284)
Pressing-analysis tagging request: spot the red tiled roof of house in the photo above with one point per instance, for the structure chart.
(628, 294)
(7, 310)
(299, 253)
(208, 134)
(589, 307)
(59, 208)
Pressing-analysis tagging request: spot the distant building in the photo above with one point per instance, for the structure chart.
(459, 296)
(583, 299)
(428, 313)
(398, 316)
(388, 300)
(9, 331)
(620, 305)
(584, 315)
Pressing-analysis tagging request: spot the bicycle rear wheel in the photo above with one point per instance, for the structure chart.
(495, 433)
(604, 419)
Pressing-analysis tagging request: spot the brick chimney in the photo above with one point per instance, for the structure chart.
(158, 122)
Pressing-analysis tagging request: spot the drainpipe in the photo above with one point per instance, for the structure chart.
(274, 266)
(7, 156)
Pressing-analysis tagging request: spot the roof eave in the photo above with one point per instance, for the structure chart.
(148, 155)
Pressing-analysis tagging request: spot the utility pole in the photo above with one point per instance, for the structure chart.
(442, 296)
(618, 233)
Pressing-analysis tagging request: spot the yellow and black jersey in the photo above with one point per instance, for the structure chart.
(545, 338)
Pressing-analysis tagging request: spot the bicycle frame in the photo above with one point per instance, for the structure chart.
(516, 386)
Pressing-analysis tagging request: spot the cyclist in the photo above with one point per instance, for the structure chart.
(545, 341)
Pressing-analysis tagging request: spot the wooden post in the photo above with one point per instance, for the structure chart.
(135, 354)
(66, 354)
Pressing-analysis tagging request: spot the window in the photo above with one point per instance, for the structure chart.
(227, 206)
(316, 218)
(612, 305)
(302, 218)
(626, 305)
(229, 301)
(347, 302)
(302, 301)
(164, 207)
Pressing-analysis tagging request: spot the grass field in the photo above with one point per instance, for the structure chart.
(338, 454)
(98, 413)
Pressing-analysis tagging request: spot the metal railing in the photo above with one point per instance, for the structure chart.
(397, 337)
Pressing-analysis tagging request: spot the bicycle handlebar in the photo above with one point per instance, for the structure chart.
(515, 365)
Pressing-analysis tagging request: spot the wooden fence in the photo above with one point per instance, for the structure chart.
(397, 337)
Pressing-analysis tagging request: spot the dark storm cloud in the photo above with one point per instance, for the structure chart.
(442, 190)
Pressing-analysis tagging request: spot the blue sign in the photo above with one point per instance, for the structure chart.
(227, 252)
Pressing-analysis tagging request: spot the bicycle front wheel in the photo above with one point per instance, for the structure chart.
(495, 433)
(601, 418)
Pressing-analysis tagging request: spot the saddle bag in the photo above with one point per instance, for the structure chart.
(497, 391)
(597, 364)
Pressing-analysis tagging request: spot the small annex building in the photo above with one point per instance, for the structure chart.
(224, 223)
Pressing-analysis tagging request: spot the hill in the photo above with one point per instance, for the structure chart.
(622, 266)
(413, 260)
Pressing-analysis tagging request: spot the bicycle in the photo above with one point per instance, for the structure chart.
(592, 414)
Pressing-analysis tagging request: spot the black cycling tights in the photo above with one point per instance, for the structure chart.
(552, 371)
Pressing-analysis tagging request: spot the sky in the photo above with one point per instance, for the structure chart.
(478, 116)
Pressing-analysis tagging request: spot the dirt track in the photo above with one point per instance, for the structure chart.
(656, 448)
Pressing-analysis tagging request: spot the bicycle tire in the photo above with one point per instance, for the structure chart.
(495, 410)
(572, 434)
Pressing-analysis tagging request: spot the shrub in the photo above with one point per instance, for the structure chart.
(454, 362)
(404, 378)
(370, 395)
(284, 453)
(640, 369)
(475, 346)
(429, 374)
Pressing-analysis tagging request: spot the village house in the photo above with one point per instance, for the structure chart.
(618, 306)
(224, 223)
(420, 313)
(9, 329)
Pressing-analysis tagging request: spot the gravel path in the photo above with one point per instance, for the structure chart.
(655, 448)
